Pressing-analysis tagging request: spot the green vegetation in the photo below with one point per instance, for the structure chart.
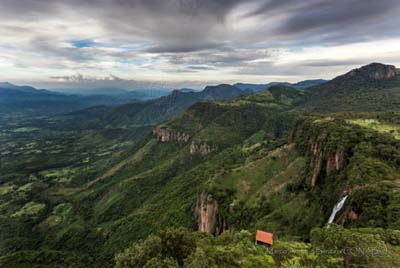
(329, 248)
(180, 248)
(378, 126)
(96, 189)
(30, 209)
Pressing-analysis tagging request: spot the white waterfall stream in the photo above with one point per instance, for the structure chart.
(337, 208)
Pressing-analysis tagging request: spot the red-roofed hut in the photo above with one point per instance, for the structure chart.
(263, 238)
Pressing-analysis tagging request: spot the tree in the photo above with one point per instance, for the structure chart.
(177, 244)
(199, 259)
(161, 263)
(169, 249)
(355, 248)
(137, 255)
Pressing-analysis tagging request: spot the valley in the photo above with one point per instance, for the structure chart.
(131, 186)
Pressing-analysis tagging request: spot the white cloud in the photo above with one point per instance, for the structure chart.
(229, 40)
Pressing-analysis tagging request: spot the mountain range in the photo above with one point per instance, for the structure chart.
(39, 101)
(100, 187)
(259, 87)
(30, 99)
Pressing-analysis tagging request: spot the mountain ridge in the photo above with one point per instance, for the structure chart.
(264, 161)
(373, 87)
(301, 84)
(158, 110)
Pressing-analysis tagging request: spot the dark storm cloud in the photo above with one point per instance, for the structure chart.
(334, 14)
(27, 8)
(176, 26)
(48, 48)
(339, 21)
(229, 37)
(225, 57)
(172, 26)
(269, 7)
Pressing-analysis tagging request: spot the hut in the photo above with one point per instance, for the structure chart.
(264, 239)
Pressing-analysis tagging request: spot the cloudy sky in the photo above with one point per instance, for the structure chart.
(172, 43)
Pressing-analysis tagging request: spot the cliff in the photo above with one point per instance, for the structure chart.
(327, 152)
(207, 217)
(195, 147)
(165, 135)
(202, 149)
(324, 159)
(373, 71)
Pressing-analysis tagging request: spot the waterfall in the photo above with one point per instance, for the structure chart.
(337, 208)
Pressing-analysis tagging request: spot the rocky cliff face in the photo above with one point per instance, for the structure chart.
(334, 161)
(373, 71)
(323, 158)
(206, 214)
(195, 147)
(165, 135)
(202, 149)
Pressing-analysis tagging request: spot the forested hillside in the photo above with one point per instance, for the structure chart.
(127, 195)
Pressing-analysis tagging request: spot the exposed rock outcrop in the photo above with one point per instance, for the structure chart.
(202, 149)
(334, 161)
(373, 71)
(323, 159)
(165, 135)
(207, 218)
(352, 215)
(195, 147)
(317, 168)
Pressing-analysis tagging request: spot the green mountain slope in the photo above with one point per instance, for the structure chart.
(261, 161)
(158, 110)
(374, 87)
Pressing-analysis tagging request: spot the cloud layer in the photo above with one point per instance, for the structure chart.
(194, 40)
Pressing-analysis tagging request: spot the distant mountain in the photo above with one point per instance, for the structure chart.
(186, 90)
(7, 85)
(19, 99)
(93, 91)
(259, 87)
(223, 91)
(144, 94)
(308, 83)
(374, 87)
(27, 89)
(370, 72)
(158, 110)
(29, 99)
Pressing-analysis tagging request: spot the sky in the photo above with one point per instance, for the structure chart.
(191, 43)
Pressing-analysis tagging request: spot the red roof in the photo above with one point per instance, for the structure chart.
(264, 237)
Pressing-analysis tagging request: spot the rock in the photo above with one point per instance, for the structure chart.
(373, 71)
(207, 217)
(352, 216)
(334, 161)
(317, 170)
(206, 213)
(165, 135)
(202, 149)
(321, 157)
(195, 148)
